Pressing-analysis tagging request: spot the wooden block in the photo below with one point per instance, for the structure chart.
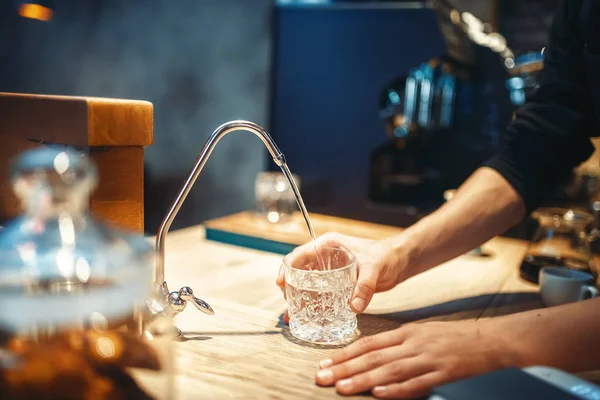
(113, 132)
(249, 230)
(77, 121)
(119, 197)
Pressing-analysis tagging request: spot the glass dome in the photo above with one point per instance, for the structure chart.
(72, 290)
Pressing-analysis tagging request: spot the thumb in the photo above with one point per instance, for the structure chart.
(280, 281)
(364, 290)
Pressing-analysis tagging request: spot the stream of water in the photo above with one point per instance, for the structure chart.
(286, 172)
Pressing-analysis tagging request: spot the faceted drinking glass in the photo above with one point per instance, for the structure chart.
(318, 296)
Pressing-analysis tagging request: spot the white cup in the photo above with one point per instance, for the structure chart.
(561, 285)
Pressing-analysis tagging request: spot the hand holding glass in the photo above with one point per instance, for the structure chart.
(318, 297)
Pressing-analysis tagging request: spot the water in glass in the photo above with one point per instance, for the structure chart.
(318, 299)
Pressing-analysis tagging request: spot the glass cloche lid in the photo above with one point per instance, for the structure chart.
(60, 267)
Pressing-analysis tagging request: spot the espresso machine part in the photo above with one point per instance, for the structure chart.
(421, 101)
(447, 83)
(411, 90)
(464, 31)
(415, 108)
(438, 110)
(523, 72)
(429, 89)
(425, 95)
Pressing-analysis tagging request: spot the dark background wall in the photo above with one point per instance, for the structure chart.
(200, 62)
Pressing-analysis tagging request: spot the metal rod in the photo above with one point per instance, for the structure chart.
(278, 158)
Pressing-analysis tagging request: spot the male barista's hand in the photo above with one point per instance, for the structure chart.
(380, 265)
(409, 361)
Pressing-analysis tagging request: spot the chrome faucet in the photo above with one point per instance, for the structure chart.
(175, 302)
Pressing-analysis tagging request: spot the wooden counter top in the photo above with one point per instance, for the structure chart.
(246, 351)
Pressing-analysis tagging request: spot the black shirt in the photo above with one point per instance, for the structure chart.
(550, 134)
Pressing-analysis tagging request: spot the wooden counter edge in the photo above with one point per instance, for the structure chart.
(246, 229)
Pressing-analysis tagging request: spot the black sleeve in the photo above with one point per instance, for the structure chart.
(549, 135)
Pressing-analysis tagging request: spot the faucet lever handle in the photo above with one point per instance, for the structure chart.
(187, 294)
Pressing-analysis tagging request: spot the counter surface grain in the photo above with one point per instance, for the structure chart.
(246, 351)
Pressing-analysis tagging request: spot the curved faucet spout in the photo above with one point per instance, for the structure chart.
(174, 298)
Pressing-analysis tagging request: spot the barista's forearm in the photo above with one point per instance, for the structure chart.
(486, 205)
(564, 337)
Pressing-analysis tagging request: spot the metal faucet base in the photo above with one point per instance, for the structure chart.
(173, 303)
